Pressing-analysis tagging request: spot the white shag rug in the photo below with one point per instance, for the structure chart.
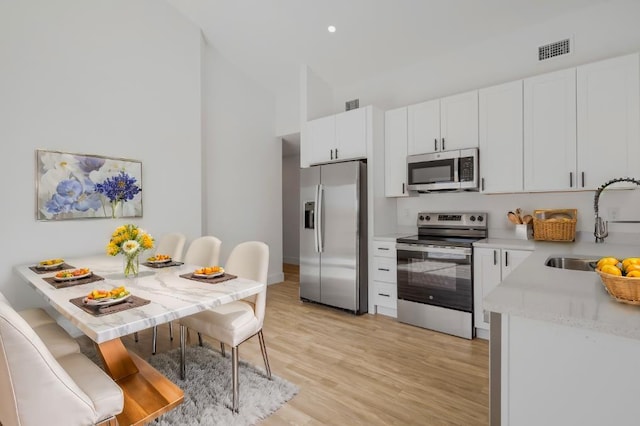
(208, 389)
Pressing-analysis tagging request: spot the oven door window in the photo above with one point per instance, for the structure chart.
(436, 278)
(432, 171)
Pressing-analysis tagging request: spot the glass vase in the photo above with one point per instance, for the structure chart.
(131, 266)
(115, 206)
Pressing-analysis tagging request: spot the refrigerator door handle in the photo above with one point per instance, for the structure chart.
(319, 214)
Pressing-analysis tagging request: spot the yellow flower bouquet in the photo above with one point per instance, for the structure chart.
(131, 241)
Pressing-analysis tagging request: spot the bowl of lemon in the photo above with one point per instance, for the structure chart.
(621, 278)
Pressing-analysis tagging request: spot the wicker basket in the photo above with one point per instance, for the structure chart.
(623, 289)
(555, 225)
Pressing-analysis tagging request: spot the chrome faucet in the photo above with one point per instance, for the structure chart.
(601, 231)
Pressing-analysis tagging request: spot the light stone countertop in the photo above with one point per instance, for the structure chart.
(573, 298)
(171, 296)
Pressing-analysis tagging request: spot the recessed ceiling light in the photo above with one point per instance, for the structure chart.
(331, 29)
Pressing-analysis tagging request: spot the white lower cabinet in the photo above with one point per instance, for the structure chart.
(490, 267)
(384, 280)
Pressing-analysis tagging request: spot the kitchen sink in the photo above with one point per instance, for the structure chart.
(579, 263)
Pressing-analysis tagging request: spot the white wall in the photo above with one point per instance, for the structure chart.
(288, 110)
(291, 209)
(605, 30)
(118, 78)
(242, 160)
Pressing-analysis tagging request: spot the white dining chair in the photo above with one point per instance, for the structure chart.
(235, 322)
(203, 251)
(172, 244)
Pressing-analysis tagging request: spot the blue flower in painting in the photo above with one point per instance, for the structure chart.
(86, 201)
(58, 204)
(69, 188)
(121, 187)
(89, 164)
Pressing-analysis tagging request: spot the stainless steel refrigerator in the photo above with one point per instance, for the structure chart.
(333, 235)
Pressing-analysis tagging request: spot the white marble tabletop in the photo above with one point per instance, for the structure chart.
(573, 298)
(171, 296)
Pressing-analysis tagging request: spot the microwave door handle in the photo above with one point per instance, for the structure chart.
(320, 219)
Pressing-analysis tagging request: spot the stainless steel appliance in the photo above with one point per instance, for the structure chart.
(446, 170)
(435, 272)
(333, 235)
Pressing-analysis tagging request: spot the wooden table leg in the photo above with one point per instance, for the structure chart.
(147, 392)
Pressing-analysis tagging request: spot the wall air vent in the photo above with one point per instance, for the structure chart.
(551, 50)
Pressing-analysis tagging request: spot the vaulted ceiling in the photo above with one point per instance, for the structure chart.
(269, 39)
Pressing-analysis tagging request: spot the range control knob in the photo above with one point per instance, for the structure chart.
(427, 218)
(472, 218)
(421, 217)
(480, 218)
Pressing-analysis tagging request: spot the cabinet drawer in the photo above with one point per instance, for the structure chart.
(386, 295)
(384, 269)
(384, 249)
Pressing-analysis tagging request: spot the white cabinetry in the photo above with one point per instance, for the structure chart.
(335, 138)
(582, 125)
(443, 124)
(490, 267)
(395, 150)
(608, 100)
(385, 290)
(550, 131)
(500, 138)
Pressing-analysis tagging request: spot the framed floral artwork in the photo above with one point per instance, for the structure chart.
(79, 186)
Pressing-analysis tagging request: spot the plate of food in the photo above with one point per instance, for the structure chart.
(101, 297)
(72, 274)
(50, 263)
(159, 258)
(209, 272)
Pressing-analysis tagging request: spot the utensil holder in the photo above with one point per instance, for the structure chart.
(524, 231)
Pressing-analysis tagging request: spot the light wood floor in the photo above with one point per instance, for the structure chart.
(367, 369)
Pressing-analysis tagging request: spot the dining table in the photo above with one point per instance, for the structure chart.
(155, 296)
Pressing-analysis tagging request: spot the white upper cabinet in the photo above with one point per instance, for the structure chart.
(500, 138)
(351, 134)
(423, 122)
(459, 121)
(443, 124)
(395, 153)
(608, 99)
(550, 131)
(335, 138)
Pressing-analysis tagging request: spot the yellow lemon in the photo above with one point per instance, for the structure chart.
(630, 261)
(634, 274)
(632, 267)
(607, 261)
(611, 269)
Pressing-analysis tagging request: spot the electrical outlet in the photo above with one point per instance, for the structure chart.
(613, 213)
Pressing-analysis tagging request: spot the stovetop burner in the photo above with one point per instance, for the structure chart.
(450, 229)
(438, 240)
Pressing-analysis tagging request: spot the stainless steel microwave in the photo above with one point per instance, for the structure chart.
(445, 170)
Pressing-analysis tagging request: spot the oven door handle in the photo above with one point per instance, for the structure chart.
(440, 250)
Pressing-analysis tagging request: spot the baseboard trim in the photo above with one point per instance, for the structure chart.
(275, 278)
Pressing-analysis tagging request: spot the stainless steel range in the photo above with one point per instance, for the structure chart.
(435, 272)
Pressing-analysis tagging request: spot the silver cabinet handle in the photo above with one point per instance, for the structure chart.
(435, 144)
(443, 144)
(570, 179)
(403, 187)
(482, 183)
(506, 258)
(583, 179)
(495, 257)
(336, 153)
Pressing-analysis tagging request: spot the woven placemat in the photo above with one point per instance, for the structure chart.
(131, 302)
(216, 280)
(163, 265)
(39, 270)
(63, 284)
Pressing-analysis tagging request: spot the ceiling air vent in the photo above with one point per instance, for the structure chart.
(552, 50)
